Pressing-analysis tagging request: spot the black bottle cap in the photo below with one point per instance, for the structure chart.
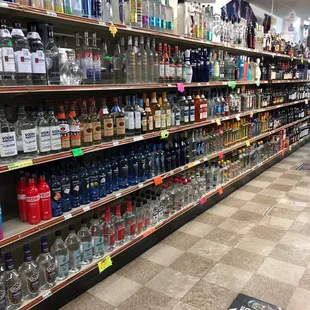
(71, 227)
(58, 233)
(17, 25)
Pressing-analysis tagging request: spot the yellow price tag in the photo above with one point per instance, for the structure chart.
(164, 134)
(218, 121)
(21, 164)
(104, 264)
(247, 143)
(190, 165)
(113, 30)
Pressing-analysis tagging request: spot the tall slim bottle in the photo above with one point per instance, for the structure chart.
(144, 62)
(150, 62)
(156, 62)
(156, 111)
(87, 63)
(86, 244)
(73, 244)
(96, 59)
(130, 63)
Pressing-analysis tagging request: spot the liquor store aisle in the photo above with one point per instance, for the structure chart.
(255, 242)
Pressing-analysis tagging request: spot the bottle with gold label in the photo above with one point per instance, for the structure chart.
(86, 126)
(95, 120)
(64, 129)
(156, 110)
(106, 120)
(119, 120)
(149, 115)
(162, 114)
(75, 131)
(167, 108)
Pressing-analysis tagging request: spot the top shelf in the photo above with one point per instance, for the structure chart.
(61, 18)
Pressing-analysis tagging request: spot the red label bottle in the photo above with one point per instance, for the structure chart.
(33, 203)
(45, 199)
(21, 198)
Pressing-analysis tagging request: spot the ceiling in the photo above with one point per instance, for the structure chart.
(283, 7)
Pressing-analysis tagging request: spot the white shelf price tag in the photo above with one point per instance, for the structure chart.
(118, 195)
(138, 138)
(51, 13)
(87, 208)
(140, 185)
(306, 101)
(238, 117)
(68, 216)
(115, 143)
(47, 294)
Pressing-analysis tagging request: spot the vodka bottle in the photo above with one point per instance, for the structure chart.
(130, 63)
(54, 128)
(107, 71)
(37, 57)
(150, 62)
(130, 222)
(73, 245)
(61, 253)
(97, 237)
(144, 62)
(157, 14)
(29, 273)
(87, 63)
(145, 13)
(13, 284)
(77, 8)
(43, 133)
(86, 244)
(118, 65)
(8, 147)
(25, 135)
(47, 267)
(169, 16)
(119, 226)
(96, 58)
(22, 56)
(156, 62)
(52, 59)
(108, 231)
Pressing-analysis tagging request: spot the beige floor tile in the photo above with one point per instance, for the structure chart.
(243, 260)
(210, 219)
(276, 222)
(280, 187)
(251, 189)
(256, 245)
(275, 169)
(291, 254)
(209, 249)
(273, 174)
(243, 195)
(180, 240)
(281, 271)
(290, 206)
(298, 196)
(87, 302)
(162, 254)
(208, 296)
(224, 236)
(192, 265)
(240, 227)
(300, 191)
(272, 193)
(183, 306)
(300, 228)
(115, 289)
(291, 176)
(146, 298)
(269, 290)
(298, 240)
(228, 276)
(259, 198)
(247, 216)
(300, 300)
(197, 229)
(296, 172)
(265, 179)
(282, 166)
(305, 280)
(266, 232)
(303, 217)
(233, 202)
(303, 185)
(172, 283)
(140, 270)
(259, 183)
(222, 210)
(284, 213)
(255, 207)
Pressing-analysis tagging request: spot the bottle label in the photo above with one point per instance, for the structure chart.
(44, 139)
(108, 127)
(179, 72)
(177, 117)
(75, 133)
(132, 227)
(168, 118)
(50, 273)
(146, 221)
(38, 62)
(87, 250)
(144, 124)
(172, 73)
(1, 65)
(160, 212)
(87, 65)
(33, 283)
(145, 21)
(23, 61)
(96, 131)
(186, 115)
(75, 259)
(192, 113)
(140, 224)
(112, 237)
(137, 119)
(62, 265)
(129, 120)
(120, 231)
(120, 126)
(151, 123)
(163, 119)
(14, 293)
(152, 20)
(8, 59)
(29, 140)
(158, 22)
(162, 70)
(55, 138)
(157, 119)
(98, 245)
(8, 144)
(167, 70)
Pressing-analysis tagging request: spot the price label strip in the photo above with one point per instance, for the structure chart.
(21, 164)
(104, 264)
(77, 152)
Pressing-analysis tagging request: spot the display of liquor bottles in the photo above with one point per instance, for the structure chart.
(73, 245)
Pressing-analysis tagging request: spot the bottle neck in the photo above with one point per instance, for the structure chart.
(44, 247)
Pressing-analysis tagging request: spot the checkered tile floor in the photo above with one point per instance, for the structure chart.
(231, 248)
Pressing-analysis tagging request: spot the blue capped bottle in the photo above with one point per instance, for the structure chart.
(161, 154)
(177, 150)
(115, 173)
(167, 157)
(65, 191)
(108, 173)
(133, 176)
(123, 170)
(141, 164)
(93, 182)
(84, 183)
(102, 178)
(55, 187)
(156, 161)
(75, 198)
(150, 173)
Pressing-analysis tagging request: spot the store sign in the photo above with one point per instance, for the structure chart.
(291, 27)
(244, 302)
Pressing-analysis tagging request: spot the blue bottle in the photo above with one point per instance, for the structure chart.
(55, 187)
(115, 173)
(108, 176)
(167, 157)
(173, 155)
(123, 171)
(141, 165)
(84, 181)
(211, 68)
(65, 191)
(206, 66)
(86, 8)
(77, 8)
(161, 159)
(96, 9)
(249, 73)
(149, 163)
(240, 67)
(133, 177)
(156, 161)
(75, 198)
(177, 150)
(183, 148)
(102, 178)
(93, 182)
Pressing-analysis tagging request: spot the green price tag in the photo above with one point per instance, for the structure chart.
(164, 134)
(77, 152)
(257, 83)
(232, 84)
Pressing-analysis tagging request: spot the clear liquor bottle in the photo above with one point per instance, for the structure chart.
(118, 65)
(61, 253)
(107, 71)
(13, 284)
(97, 237)
(130, 222)
(144, 62)
(106, 120)
(73, 245)
(86, 126)
(25, 135)
(119, 226)
(130, 63)
(156, 62)
(86, 244)
(96, 59)
(150, 62)
(129, 112)
(22, 56)
(47, 266)
(108, 231)
(169, 16)
(52, 59)
(29, 273)
(37, 57)
(43, 133)
(78, 49)
(8, 146)
(145, 13)
(87, 63)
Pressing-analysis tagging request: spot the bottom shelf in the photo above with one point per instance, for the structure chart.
(95, 263)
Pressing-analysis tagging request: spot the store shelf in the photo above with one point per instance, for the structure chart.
(65, 19)
(15, 230)
(106, 145)
(86, 269)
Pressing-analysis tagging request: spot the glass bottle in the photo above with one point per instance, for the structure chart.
(156, 62)
(86, 126)
(54, 126)
(108, 230)
(129, 113)
(43, 133)
(130, 219)
(87, 63)
(86, 244)
(149, 115)
(22, 56)
(130, 63)
(59, 6)
(29, 273)
(97, 237)
(107, 72)
(47, 266)
(145, 13)
(64, 128)
(94, 118)
(119, 120)
(119, 226)
(106, 122)
(144, 62)
(60, 251)
(77, 8)
(70, 72)
(156, 111)
(75, 128)
(96, 60)
(118, 65)
(73, 245)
